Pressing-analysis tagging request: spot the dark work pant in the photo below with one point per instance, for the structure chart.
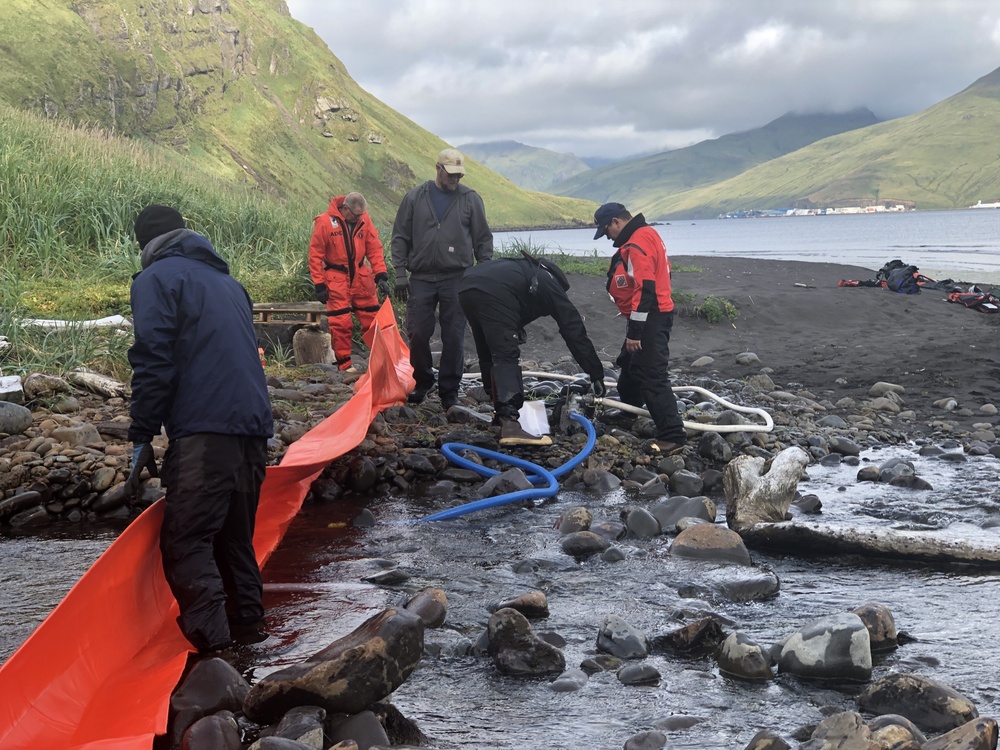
(426, 297)
(213, 485)
(498, 337)
(645, 380)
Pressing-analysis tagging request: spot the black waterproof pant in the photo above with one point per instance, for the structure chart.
(213, 485)
(644, 378)
(498, 335)
(426, 297)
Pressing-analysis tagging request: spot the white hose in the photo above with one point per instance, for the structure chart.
(766, 427)
(697, 426)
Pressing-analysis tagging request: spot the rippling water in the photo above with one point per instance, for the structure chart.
(461, 701)
(963, 245)
(37, 571)
(315, 594)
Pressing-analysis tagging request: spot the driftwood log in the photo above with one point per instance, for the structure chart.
(809, 538)
(759, 494)
(98, 383)
(112, 321)
(759, 490)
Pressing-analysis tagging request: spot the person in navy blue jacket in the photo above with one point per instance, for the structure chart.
(197, 373)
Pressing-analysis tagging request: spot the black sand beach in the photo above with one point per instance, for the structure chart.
(811, 334)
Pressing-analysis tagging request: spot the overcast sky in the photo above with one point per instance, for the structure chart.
(615, 79)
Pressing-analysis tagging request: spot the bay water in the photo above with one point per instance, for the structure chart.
(960, 245)
(315, 590)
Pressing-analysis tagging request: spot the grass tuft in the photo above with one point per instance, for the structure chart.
(716, 309)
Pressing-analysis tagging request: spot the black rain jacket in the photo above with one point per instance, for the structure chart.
(510, 281)
(195, 363)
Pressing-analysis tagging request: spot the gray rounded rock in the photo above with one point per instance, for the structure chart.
(619, 638)
(639, 674)
(14, 418)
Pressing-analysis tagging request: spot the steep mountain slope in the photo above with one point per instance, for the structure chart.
(638, 182)
(946, 156)
(526, 166)
(243, 90)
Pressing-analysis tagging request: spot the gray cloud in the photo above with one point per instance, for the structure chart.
(602, 80)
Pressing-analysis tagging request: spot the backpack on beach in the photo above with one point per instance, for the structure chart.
(882, 275)
(903, 280)
(901, 277)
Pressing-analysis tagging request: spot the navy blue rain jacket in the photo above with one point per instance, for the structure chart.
(195, 363)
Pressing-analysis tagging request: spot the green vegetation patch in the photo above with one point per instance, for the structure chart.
(716, 309)
(72, 299)
(586, 265)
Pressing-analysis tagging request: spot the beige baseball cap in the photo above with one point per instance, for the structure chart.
(452, 161)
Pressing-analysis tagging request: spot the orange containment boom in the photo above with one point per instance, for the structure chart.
(98, 673)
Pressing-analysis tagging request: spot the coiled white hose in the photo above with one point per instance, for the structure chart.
(697, 426)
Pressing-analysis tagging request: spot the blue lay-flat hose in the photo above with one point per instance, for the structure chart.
(537, 474)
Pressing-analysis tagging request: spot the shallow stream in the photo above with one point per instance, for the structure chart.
(315, 594)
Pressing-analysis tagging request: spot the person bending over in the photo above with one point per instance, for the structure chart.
(500, 299)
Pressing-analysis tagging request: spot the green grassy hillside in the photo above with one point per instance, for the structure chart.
(526, 166)
(245, 92)
(947, 156)
(643, 181)
(68, 199)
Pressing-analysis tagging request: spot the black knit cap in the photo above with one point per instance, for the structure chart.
(155, 220)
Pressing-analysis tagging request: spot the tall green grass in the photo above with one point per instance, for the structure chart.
(68, 199)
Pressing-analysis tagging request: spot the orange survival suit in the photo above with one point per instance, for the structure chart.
(337, 255)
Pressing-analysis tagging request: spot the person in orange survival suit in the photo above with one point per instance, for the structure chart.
(343, 239)
(639, 285)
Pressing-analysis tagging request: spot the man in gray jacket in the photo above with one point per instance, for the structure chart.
(440, 230)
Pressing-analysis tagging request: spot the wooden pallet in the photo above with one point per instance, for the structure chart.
(289, 313)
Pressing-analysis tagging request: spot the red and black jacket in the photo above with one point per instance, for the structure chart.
(639, 275)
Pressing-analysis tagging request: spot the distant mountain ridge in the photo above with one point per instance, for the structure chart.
(637, 182)
(529, 167)
(943, 157)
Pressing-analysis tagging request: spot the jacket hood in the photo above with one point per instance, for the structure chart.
(185, 243)
(335, 204)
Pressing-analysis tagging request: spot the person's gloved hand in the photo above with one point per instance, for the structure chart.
(597, 383)
(142, 458)
(382, 282)
(322, 293)
(402, 289)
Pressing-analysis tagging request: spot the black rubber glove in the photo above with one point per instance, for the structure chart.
(598, 385)
(402, 289)
(322, 293)
(383, 287)
(142, 458)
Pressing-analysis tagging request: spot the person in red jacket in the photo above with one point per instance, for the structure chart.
(639, 285)
(346, 264)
